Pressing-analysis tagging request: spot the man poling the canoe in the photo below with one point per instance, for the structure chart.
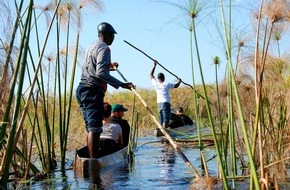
(199, 95)
(163, 97)
(158, 63)
(91, 90)
(187, 162)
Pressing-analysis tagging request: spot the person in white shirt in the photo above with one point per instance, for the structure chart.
(163, 97)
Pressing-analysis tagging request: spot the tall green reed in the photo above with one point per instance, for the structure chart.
(71, 12)
(4, 78)
(271, 14)
(66, 14)
(12, 137)
(195, 3)
(227, 36)
(18, 77)
(223, 135)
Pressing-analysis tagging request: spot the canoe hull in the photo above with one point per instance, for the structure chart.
(173, 132)
(86, 166)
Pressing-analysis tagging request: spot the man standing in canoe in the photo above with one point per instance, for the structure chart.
(163, 97)
(93, 85)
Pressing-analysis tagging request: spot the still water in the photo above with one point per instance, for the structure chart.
(156, 166)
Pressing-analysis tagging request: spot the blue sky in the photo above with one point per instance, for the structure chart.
(160, 30)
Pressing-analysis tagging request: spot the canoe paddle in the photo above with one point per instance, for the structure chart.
(168, 137)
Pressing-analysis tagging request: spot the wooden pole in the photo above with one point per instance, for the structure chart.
(164, 68)
(158, 63)
(168, 137)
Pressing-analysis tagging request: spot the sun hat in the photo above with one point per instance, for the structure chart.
(118, 107)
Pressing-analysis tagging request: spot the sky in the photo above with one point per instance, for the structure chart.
(160, 30)
(148, 26)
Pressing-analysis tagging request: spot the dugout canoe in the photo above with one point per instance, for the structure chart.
(90, 166)
(174, 132)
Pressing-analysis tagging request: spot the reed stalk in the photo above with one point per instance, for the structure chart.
(223, 141)
(14, 80)
(231, 110)
(236, 93)
(11, 143)
(131, 137)
(26, 175)
(39, 143)
(58, 79)
(73, 10)
(48, 154)
(63, 128)
(4, 76)
(273, 17)
(36, 72)
(208, 109)
(195, 97)
(135, 132)
(231, 129)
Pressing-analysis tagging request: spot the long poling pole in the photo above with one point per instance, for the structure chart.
(162, 67)
(168, 137)
(158, 63)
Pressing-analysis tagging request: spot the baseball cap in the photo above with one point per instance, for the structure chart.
(118, 107)
(106, 27)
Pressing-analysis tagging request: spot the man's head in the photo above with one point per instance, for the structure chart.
(161, 77)
(107, 109)
(106, 32)
(179, 110)
(118, 110)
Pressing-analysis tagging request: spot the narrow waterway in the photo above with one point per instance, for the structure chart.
(156, 166)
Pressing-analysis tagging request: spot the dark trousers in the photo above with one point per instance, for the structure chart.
(108, 146)
(91, 101)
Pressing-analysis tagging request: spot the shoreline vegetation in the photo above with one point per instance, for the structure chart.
(246, 112)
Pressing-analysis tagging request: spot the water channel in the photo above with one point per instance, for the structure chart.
(156, 166)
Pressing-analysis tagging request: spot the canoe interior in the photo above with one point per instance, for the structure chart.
(87, 167)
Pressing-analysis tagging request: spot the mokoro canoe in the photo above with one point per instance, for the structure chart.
(173, 132)
(91, 166)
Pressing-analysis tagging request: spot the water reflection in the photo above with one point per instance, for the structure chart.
(167, 163)
(156, 166)
(106, 177)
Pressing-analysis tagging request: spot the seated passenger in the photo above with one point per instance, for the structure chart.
(184, 118)
(179, 119)
(174, 121)
(111, 138)
(117, 117)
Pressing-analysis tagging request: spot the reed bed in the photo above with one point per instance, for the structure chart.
(246, 111)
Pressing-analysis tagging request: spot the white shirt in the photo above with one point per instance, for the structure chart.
(162, 90)
(111, 131)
